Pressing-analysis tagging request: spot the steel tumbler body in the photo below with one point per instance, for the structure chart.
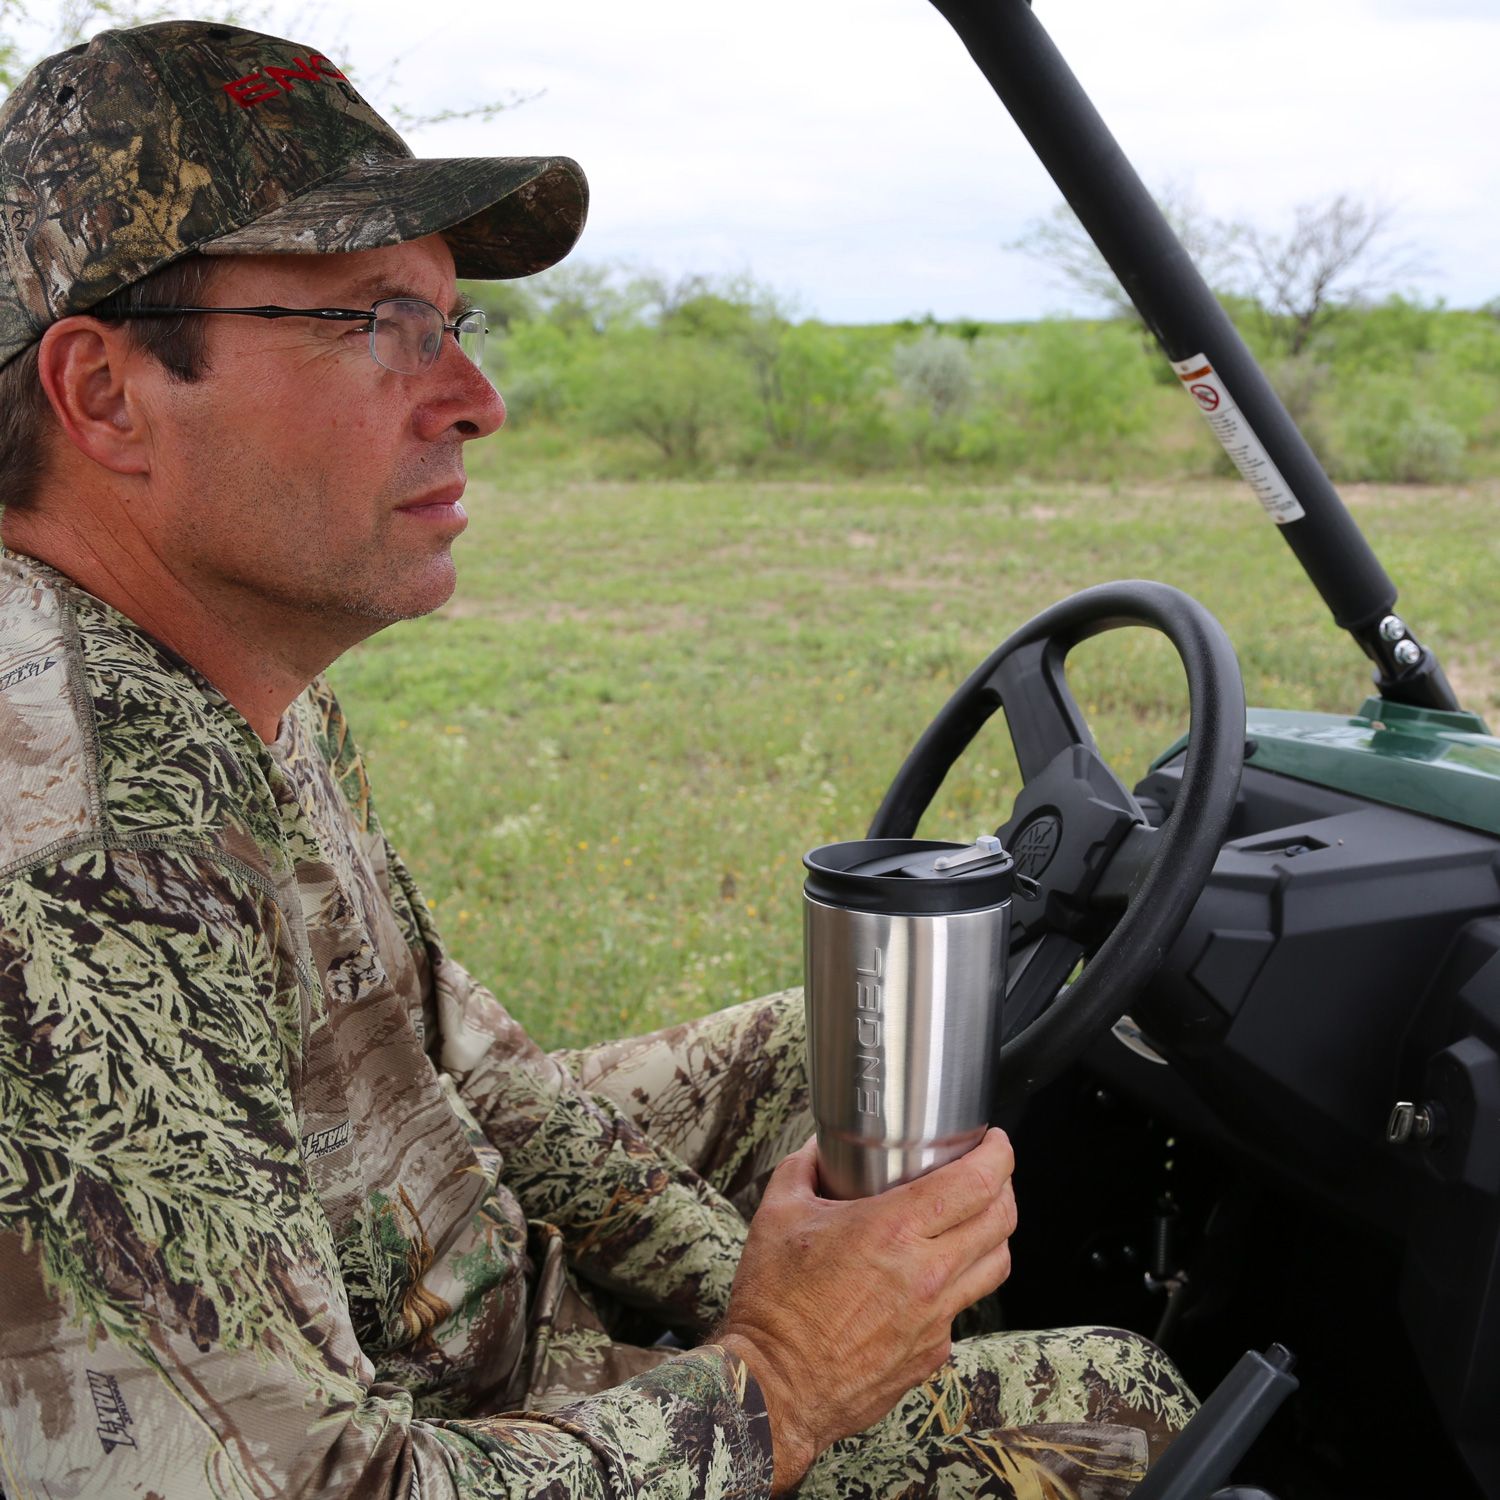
(903, 1006)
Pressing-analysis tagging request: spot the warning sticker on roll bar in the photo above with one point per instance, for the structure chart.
(1238, 438)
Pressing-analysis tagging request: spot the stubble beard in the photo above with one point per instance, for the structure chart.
(375, 586)
(376, 607)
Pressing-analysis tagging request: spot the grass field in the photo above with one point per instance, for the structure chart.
(606, 756)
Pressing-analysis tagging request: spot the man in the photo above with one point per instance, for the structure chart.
(288, 1203)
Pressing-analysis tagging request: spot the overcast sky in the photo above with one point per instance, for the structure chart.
(849, 153)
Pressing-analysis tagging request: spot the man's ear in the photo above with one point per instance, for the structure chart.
(90, 371)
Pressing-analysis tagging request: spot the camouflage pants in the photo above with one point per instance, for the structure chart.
(1076, 1412)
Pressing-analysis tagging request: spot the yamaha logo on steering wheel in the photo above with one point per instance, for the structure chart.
(1036, 843)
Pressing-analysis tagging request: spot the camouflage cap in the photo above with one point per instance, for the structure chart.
(121, 155)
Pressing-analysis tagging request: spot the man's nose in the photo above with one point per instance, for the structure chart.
(463, 399)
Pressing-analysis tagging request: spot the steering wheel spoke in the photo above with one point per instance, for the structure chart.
(1042, 715)
(1096, 879)
(1038, 970)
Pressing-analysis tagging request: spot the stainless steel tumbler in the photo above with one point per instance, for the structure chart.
(906, 943)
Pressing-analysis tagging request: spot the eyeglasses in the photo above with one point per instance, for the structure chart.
(406, 333)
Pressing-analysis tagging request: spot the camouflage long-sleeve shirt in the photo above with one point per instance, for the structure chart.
(289, 1205)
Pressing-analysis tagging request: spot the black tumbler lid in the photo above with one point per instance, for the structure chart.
(909, 877)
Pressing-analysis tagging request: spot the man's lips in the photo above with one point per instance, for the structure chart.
(438, 505)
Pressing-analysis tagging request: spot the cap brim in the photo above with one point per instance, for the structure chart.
(501, 216)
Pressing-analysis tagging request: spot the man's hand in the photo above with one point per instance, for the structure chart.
(840, 1308)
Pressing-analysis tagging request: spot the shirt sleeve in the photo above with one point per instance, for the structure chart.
(635, 1218)
(173, 1319)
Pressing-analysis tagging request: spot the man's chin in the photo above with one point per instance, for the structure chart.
(409, 600)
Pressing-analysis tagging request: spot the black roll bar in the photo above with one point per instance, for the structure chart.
(1065, 130)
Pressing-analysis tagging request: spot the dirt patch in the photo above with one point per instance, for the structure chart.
(1401, 496)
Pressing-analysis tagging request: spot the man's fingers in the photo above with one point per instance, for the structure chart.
(955, 1193)
(987, 1273)
(981, 1232)
(797, 1173)
(976, 1242)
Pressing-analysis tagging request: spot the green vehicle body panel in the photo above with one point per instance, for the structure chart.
(1444, 765)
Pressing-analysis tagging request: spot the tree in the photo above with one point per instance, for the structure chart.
(751, 320)
(661, 296)
(587, 297)
(1061, 243)
(1337, 252)
(683, 394)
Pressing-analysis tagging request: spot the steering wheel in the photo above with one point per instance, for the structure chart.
(1094, 879)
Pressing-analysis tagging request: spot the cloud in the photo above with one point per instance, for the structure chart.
(850, 152)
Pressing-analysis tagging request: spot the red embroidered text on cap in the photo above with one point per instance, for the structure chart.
(268, 82)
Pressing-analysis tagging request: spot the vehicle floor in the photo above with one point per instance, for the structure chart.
(1112, 1196)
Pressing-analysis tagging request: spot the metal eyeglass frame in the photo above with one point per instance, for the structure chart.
(465, 323)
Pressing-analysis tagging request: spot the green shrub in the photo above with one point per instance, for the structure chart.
(934, 374)
(689, 397)
(1388, 432)
(711, 374)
